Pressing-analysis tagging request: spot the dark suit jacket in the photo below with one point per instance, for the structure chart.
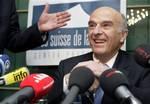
(10, 35)
(138, 77)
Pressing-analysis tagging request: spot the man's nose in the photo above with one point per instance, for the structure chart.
(97, 30)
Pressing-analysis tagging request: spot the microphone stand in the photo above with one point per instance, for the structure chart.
(23, 100)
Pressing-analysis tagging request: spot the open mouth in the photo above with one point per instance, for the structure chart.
(99, 41)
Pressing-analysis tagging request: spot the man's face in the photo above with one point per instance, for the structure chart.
(105, 35)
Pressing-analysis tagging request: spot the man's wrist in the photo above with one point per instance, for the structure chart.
(44, 36)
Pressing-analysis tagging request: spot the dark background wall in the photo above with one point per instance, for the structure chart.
(138, 33)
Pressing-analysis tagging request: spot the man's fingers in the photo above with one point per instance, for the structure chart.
(86, 63)
(46, 8)
(63, 20)
(64, 13)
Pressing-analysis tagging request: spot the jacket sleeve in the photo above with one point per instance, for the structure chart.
(20, 41)
(141, 90)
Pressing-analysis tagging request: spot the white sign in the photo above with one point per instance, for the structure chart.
(70, 40)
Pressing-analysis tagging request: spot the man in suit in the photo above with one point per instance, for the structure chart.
(14, 40)
(107, 33)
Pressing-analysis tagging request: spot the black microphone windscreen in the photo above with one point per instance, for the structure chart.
(142, 55)
(82, 77)
(111, 79)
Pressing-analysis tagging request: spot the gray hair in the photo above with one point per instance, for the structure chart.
(124, 26)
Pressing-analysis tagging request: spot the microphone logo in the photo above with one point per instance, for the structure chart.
(113, 71)
(20, 75)
(4, 64)
(39, 77)
(7, 64)
(15, 76)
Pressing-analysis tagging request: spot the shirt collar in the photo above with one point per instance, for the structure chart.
(109, 63)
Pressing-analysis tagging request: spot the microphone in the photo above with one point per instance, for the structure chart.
(142, 55)
(14, 77)
(4, 64)
(114, 83)
(33, 87)
(81, 78)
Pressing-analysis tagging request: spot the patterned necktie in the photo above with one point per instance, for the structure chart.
(98, 96)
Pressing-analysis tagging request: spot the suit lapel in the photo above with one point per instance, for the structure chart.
(122, 62)
(88, 57)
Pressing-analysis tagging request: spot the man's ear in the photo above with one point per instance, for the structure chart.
(124, 35)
